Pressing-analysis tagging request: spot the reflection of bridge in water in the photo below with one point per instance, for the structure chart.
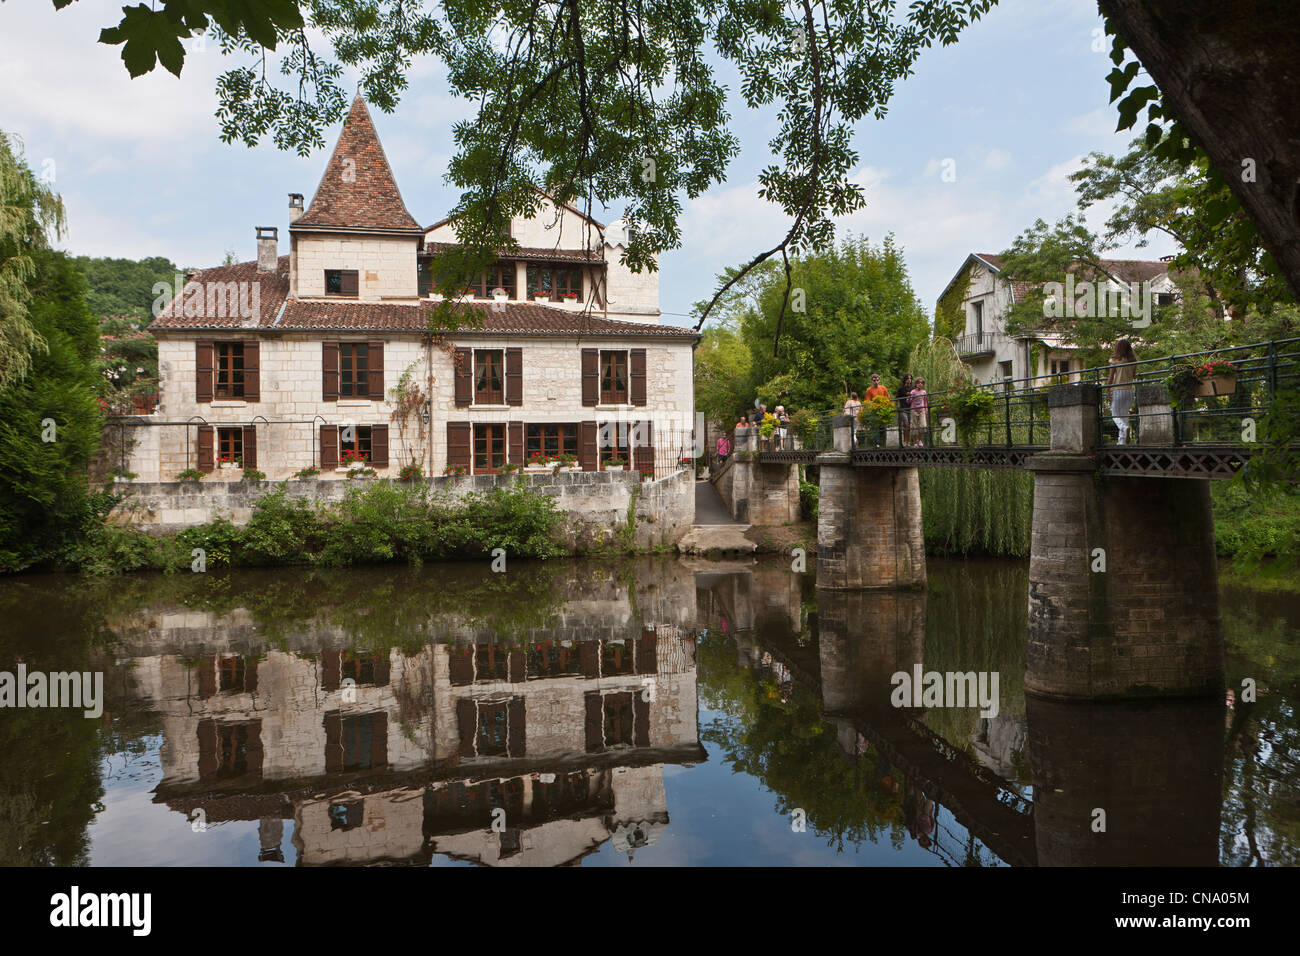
(1154, 768)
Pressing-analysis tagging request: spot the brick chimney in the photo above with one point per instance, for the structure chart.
(268, 249)
(295, 207)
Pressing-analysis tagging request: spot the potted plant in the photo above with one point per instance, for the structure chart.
(804, 425)
(307, 474)
(190, 474)
(360, 471)
(229, 463)
(569, 296)
(120, 477)
(614, 464)
(1217, 377)
(539, 463)
(252, 474)
(511, 468)
(971, 407)
(767, 428)
(455, 471)
(541, 295)
(570, 463)
(411, 472)
(351, 457)
(876, 415)
(648, 471)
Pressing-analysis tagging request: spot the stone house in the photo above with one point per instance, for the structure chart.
(296, 361)
(992, 354)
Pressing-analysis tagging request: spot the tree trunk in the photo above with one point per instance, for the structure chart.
(1230, 71)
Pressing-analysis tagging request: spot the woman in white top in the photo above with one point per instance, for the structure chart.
(1120, 379)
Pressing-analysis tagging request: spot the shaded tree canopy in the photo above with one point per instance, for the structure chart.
(590, 100)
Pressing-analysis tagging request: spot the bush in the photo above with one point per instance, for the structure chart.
(809, 497)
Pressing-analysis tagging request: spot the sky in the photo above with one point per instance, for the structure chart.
(1015, 105)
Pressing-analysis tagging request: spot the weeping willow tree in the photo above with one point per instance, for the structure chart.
(969, 511)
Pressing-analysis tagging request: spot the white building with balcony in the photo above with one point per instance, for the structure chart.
(993, 354)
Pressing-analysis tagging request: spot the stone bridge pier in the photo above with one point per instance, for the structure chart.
(869, 521)
(1123, 587)
(761, 492)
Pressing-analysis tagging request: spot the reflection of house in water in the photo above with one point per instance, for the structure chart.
(534, 752)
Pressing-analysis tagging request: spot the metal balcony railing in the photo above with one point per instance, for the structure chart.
(978, 343)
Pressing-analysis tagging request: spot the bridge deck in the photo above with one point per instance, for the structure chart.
(1154, 461)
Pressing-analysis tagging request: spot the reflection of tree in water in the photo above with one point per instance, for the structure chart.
(1261, 799)
(49, 778)
(794, 752)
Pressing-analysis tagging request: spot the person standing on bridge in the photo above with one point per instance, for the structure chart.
(903, 399)
(1123, 372)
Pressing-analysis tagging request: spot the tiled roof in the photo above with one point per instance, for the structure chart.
(358, 190)
(277, 311)
(1122, 270)
(272, 288)
(533, 252)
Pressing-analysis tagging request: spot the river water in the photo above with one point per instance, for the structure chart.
(660, 711)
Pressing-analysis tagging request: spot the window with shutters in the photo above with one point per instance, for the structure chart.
(357, 738)
(613, 378)
(360, 668)
(229, 371)
(233, 744)
(354, 443)
(499, 276)
(489, 448)
(230, 674)
(493, 729)
(615, 658)
(230, 445)
(552, 659)
(492, 662)
(551, 440)
(615, 443)
(353, 378)
(489, 377)
(347, 816)
(562, 281)
(342, 282)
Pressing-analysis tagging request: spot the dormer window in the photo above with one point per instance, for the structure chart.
(341, 282)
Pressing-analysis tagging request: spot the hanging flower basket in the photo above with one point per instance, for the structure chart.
(1216, 378)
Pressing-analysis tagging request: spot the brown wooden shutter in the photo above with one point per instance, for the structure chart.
(647, 661)
(515, 442)
(636, 376)
(348, 282)
(591, 376)
(207, 674)
(588, 447)
(379, 446)
(203, 370)
(517, 670)
(207, 749)
(514, 376)
(467, 725)
(640, 720)
(253, 755)
(383, 667)
(333, 742)
(330, 371)
(643, 455)
(250, 675)
(375, 371)
(250, 446)
(594, 722)
(329, 446)
(379, 739)
(516, 738)
(589, 655)
(460, 662)
(458, 444)
(252, 372)
(331, 669)
(463, 373)
(206, 448)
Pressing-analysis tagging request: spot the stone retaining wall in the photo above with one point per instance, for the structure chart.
(597, 505)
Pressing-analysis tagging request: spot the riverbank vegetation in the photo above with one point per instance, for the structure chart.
(377, 524)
